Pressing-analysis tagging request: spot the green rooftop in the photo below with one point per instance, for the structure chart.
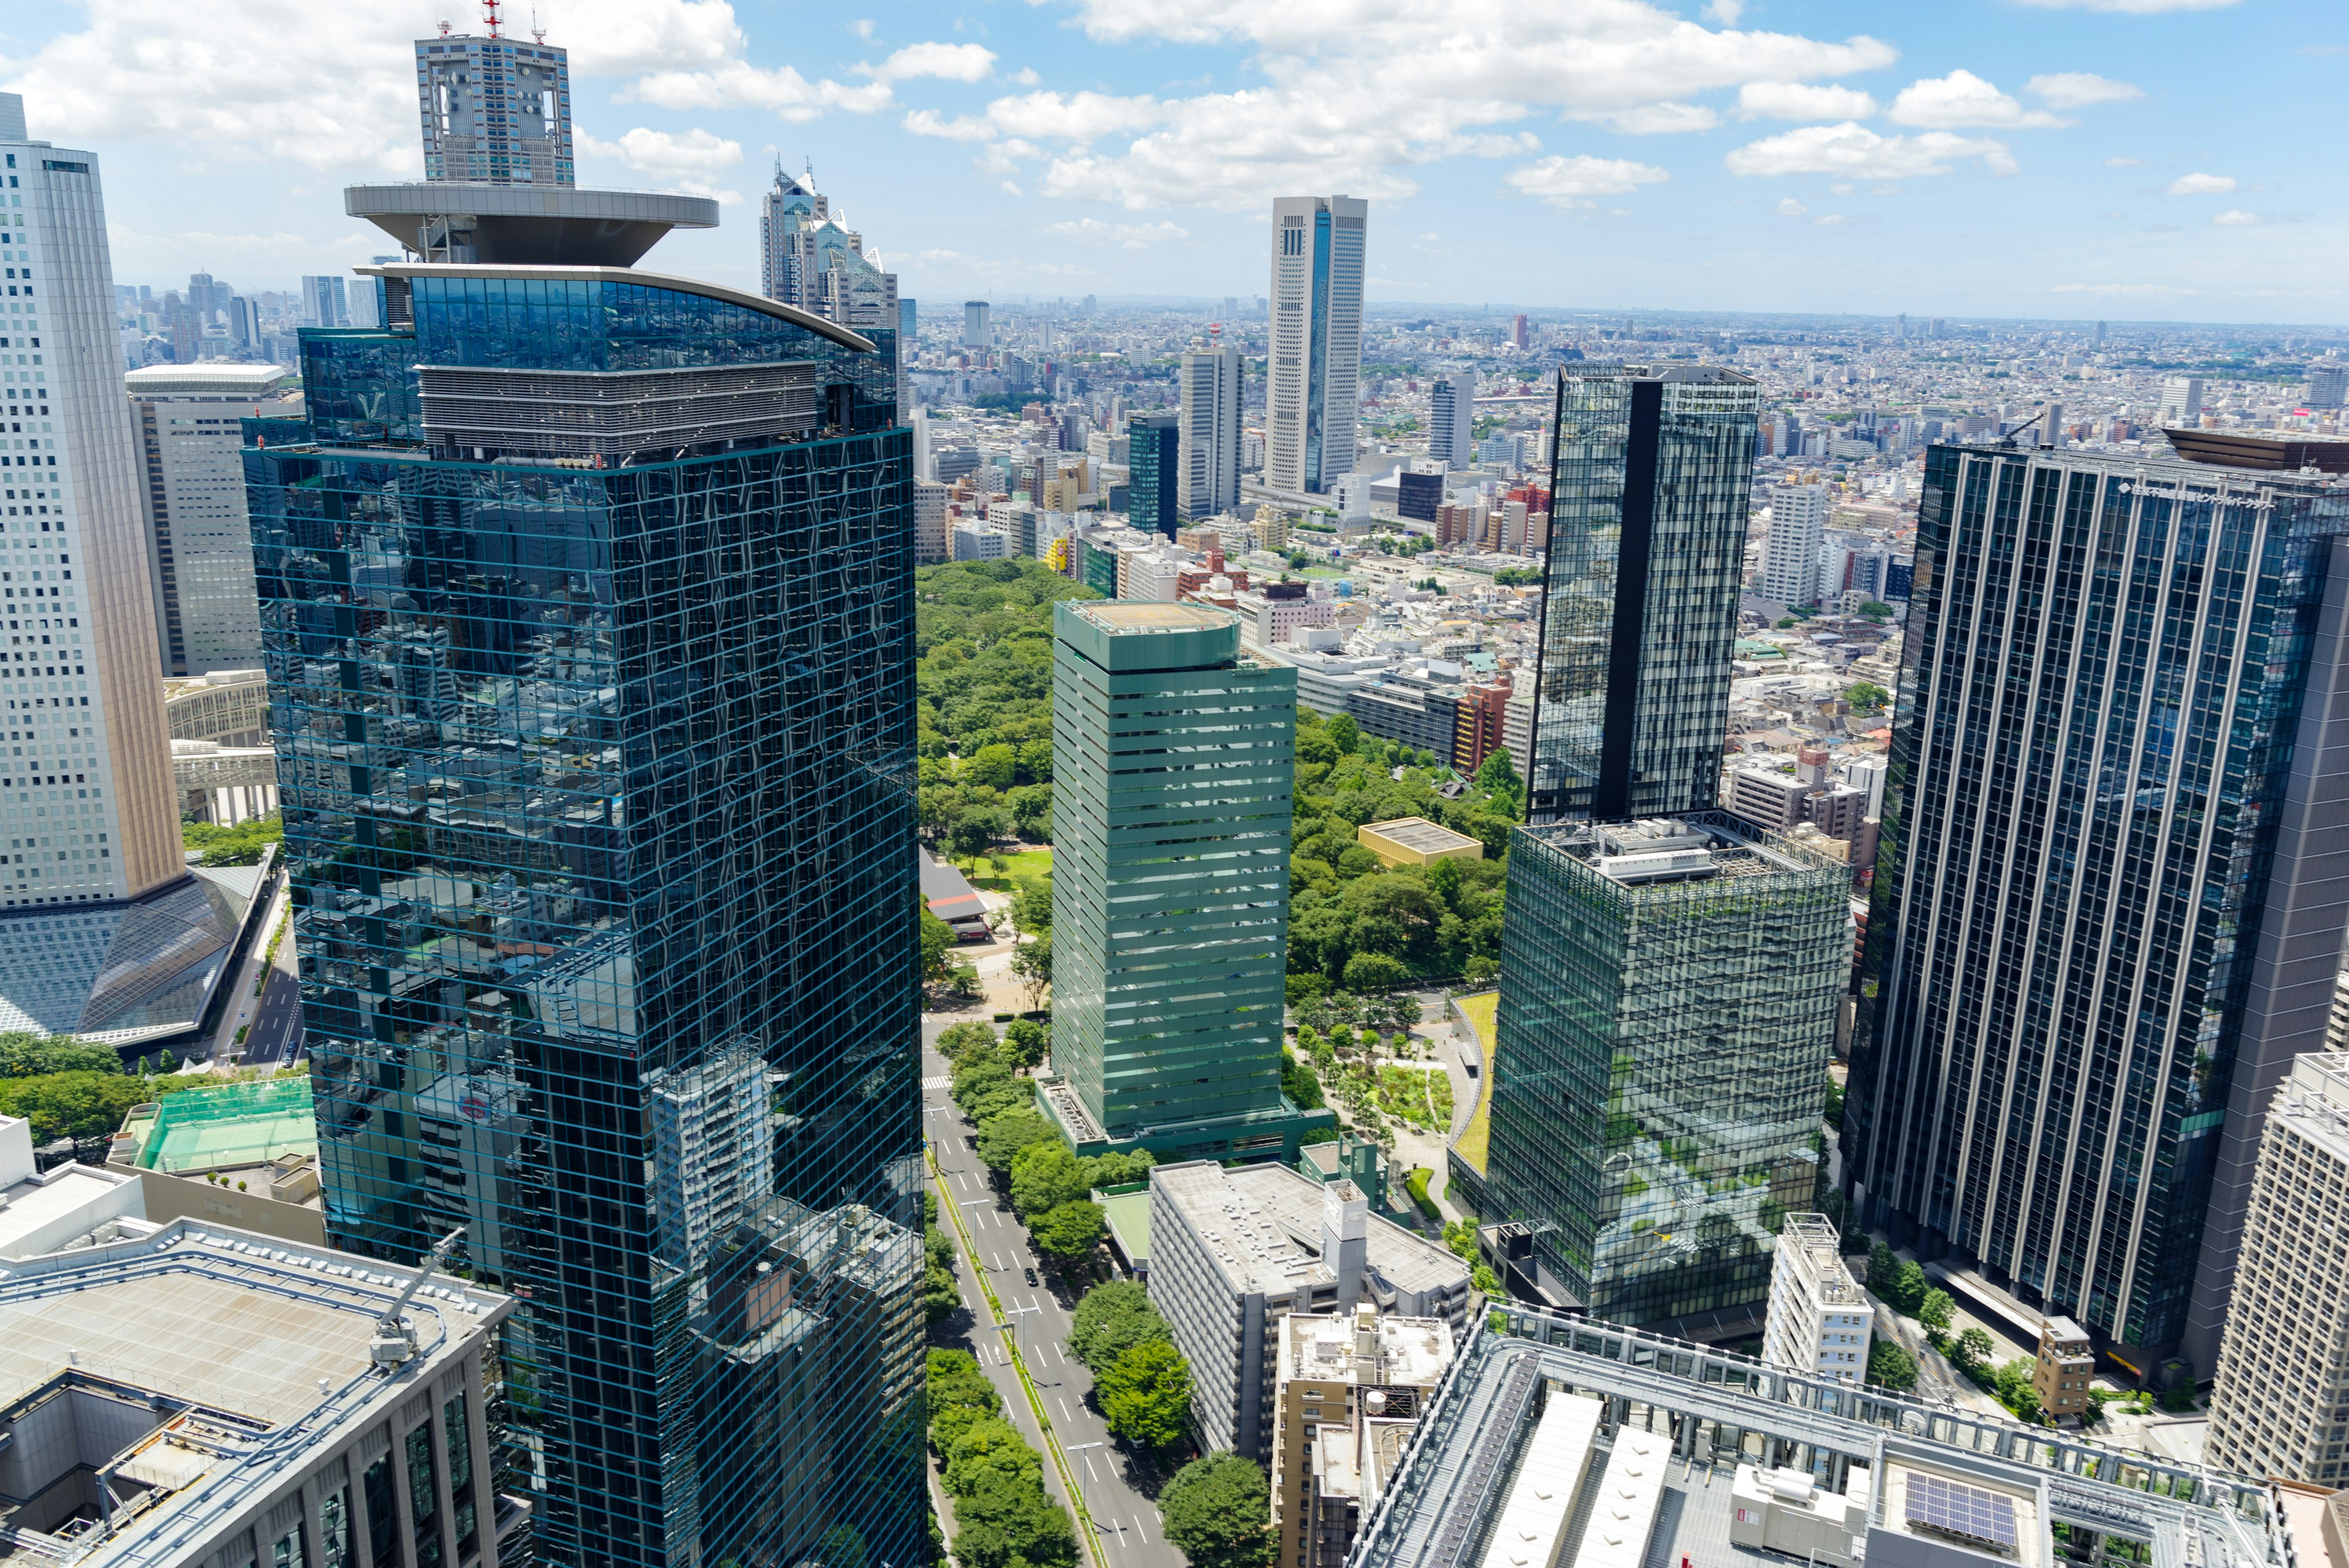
(1127, 1209)
(234, 1125)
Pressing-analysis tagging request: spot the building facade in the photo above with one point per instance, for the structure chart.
(976, 333)
(2284, 1368)
(594, 715)
(1313, 363)
(495, 110)
(1174, 755)
(2109, 910)
(1207, 480)
(930, 541)
(1348, 1389)
(1669, 991)
(199, 545)
(1154, 501)
(810, 259)
(1790, 557)
(1452, 420)
(1647, 551)
(85, 784)
(1820, 1321)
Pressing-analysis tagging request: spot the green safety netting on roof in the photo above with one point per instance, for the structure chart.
(236, 1123)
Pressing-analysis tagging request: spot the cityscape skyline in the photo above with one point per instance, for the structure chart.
(2140, 182)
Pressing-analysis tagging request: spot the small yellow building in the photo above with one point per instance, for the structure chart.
(1416, 841)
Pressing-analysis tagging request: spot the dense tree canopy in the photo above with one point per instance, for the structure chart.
(1111, 1320)
(1217, 1509)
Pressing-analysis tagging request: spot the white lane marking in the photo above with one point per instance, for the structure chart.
(1063, 1404)
(1089, 1473)
(1138, 1530)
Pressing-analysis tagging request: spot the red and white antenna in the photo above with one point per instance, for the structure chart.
(444, 29)
(537, 28)
(490, 15)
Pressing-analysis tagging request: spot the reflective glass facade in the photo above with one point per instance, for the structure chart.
(597, 783)
(2073, 950)
(1154, 451)
(1657, 1110)
(1647, 551)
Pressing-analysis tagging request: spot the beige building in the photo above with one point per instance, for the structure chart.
(1416, 841)
(2280, 1396)
(2066, 1361)
(1348, 1391)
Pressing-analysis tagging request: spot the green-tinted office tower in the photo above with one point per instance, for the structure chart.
(1153, 454)
(1668, 1000)
(1647, 551)
(1174, 758)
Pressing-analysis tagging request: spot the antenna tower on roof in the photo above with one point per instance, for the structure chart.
(490, 16)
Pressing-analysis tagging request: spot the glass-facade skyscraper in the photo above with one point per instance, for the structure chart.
(1667, 999)
(1647, 550)
(1313, 363)
(495, 110)
(2108, 906)
(585, 604)
(1154, 451)
(1174, 754)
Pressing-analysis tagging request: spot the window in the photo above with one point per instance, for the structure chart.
(287, 1553)
(424, 1496)
(383, 1515)
(460, 1475)
(336, 1547)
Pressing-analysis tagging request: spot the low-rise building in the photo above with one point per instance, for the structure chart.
(1416, 841)
(1820, 1320)
(1234, 1250)
(978, 542)
(2066, 1361)
(1349, 1388)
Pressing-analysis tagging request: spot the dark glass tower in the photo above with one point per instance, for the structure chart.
(1154, 453)
(586, 599)
(2108, 906)
(1647, 550)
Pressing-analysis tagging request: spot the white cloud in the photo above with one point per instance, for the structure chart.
(1080, 117)
(2124, 163)
(695, 152)
(1571, 182)
(1790, 208)
(1854, 152)
(2080, 89)
(1962, 100)
(1834, 220)
(2235, 217)
(1803, 101)
(1354, 95)
(738, 83)
(1726, 12)
(2201, 184)
(949, 62)
(1128, 236)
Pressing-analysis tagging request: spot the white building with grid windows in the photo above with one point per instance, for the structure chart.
(2280, 1401)
(1819, 1321)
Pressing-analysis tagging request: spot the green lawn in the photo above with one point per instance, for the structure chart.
(1481, 1011)
(1027, 865)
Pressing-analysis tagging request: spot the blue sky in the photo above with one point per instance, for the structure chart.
(2125, 159)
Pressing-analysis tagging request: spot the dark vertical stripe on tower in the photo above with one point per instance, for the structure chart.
(1610, 799)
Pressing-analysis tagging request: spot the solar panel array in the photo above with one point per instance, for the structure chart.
(1968, 1513)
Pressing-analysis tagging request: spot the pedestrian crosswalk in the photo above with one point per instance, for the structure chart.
(943, 1081)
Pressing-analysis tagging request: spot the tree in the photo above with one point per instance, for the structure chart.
(1216, 1511)
(977, 832)
(1070, 1232)
(1032, 960)
(1972, 1348)
(1024, 1040)
(1343, 733)
(1831, 1111)
(31, 1056)
(1112, 1319)
(1146, 1395)
(1908, 1288)
(1937, 1311)
(1001, 1138)
(1031, 904)
(958, 1041)
(1891, 1366)
(1031, 811)
(938, 940)
(2012, 1383)
(1867, 696)
(1881, 1266)
(994, 766)
(83, 1106)
(1375, 972)
(1044, 1176)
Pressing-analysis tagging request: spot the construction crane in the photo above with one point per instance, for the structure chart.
(395, 1339)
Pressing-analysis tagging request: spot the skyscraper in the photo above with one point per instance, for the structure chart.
(325, 302)
(495, 110)
(1790, 556)
(1313, 365)
(1175, 753)
(1647, 547)
(589, 644)
(810, 259)
(1207, 478)
(976, 332)
(1667, 992)
(199, 546)
(2182, 401)
(86, 790)
(2106, 912)
(1451, 420)
(1154, 451)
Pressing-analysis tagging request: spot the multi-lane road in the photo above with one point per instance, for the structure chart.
(1125, 1521)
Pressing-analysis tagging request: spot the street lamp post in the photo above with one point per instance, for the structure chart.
(1013, 1313)
(1082, 1501)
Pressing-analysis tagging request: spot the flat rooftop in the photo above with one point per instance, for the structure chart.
(1320, 1346)
(1125, 617)
(1418, 833)
(1265, 1222)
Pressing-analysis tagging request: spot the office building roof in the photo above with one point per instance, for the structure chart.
(1416, 833)
(2263, 453)
(1264, 1222)
(213, 378)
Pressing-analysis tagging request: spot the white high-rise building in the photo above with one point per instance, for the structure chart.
(1207, 474)
(1451, 420)
(930, 541)
(1313, 367)
(88, 811)
(199, 542)
(1820, 1320)
(713, 1152)
(976, 331)
(1790, 554)
(2182, 401)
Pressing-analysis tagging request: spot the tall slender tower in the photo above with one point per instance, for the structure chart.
(1646, 548)
(1313, 367)
(495, 110)
(586, 607)
(2108, 906)
(87, 804)
(1209, 474)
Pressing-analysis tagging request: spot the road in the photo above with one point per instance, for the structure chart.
(1123, 1516)
(275, 1015)
(276, 1036)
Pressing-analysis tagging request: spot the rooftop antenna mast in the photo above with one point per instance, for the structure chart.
(490, 15)
(444, 29)
(537, 29)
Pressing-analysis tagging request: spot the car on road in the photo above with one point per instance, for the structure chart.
(1030, 1274)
